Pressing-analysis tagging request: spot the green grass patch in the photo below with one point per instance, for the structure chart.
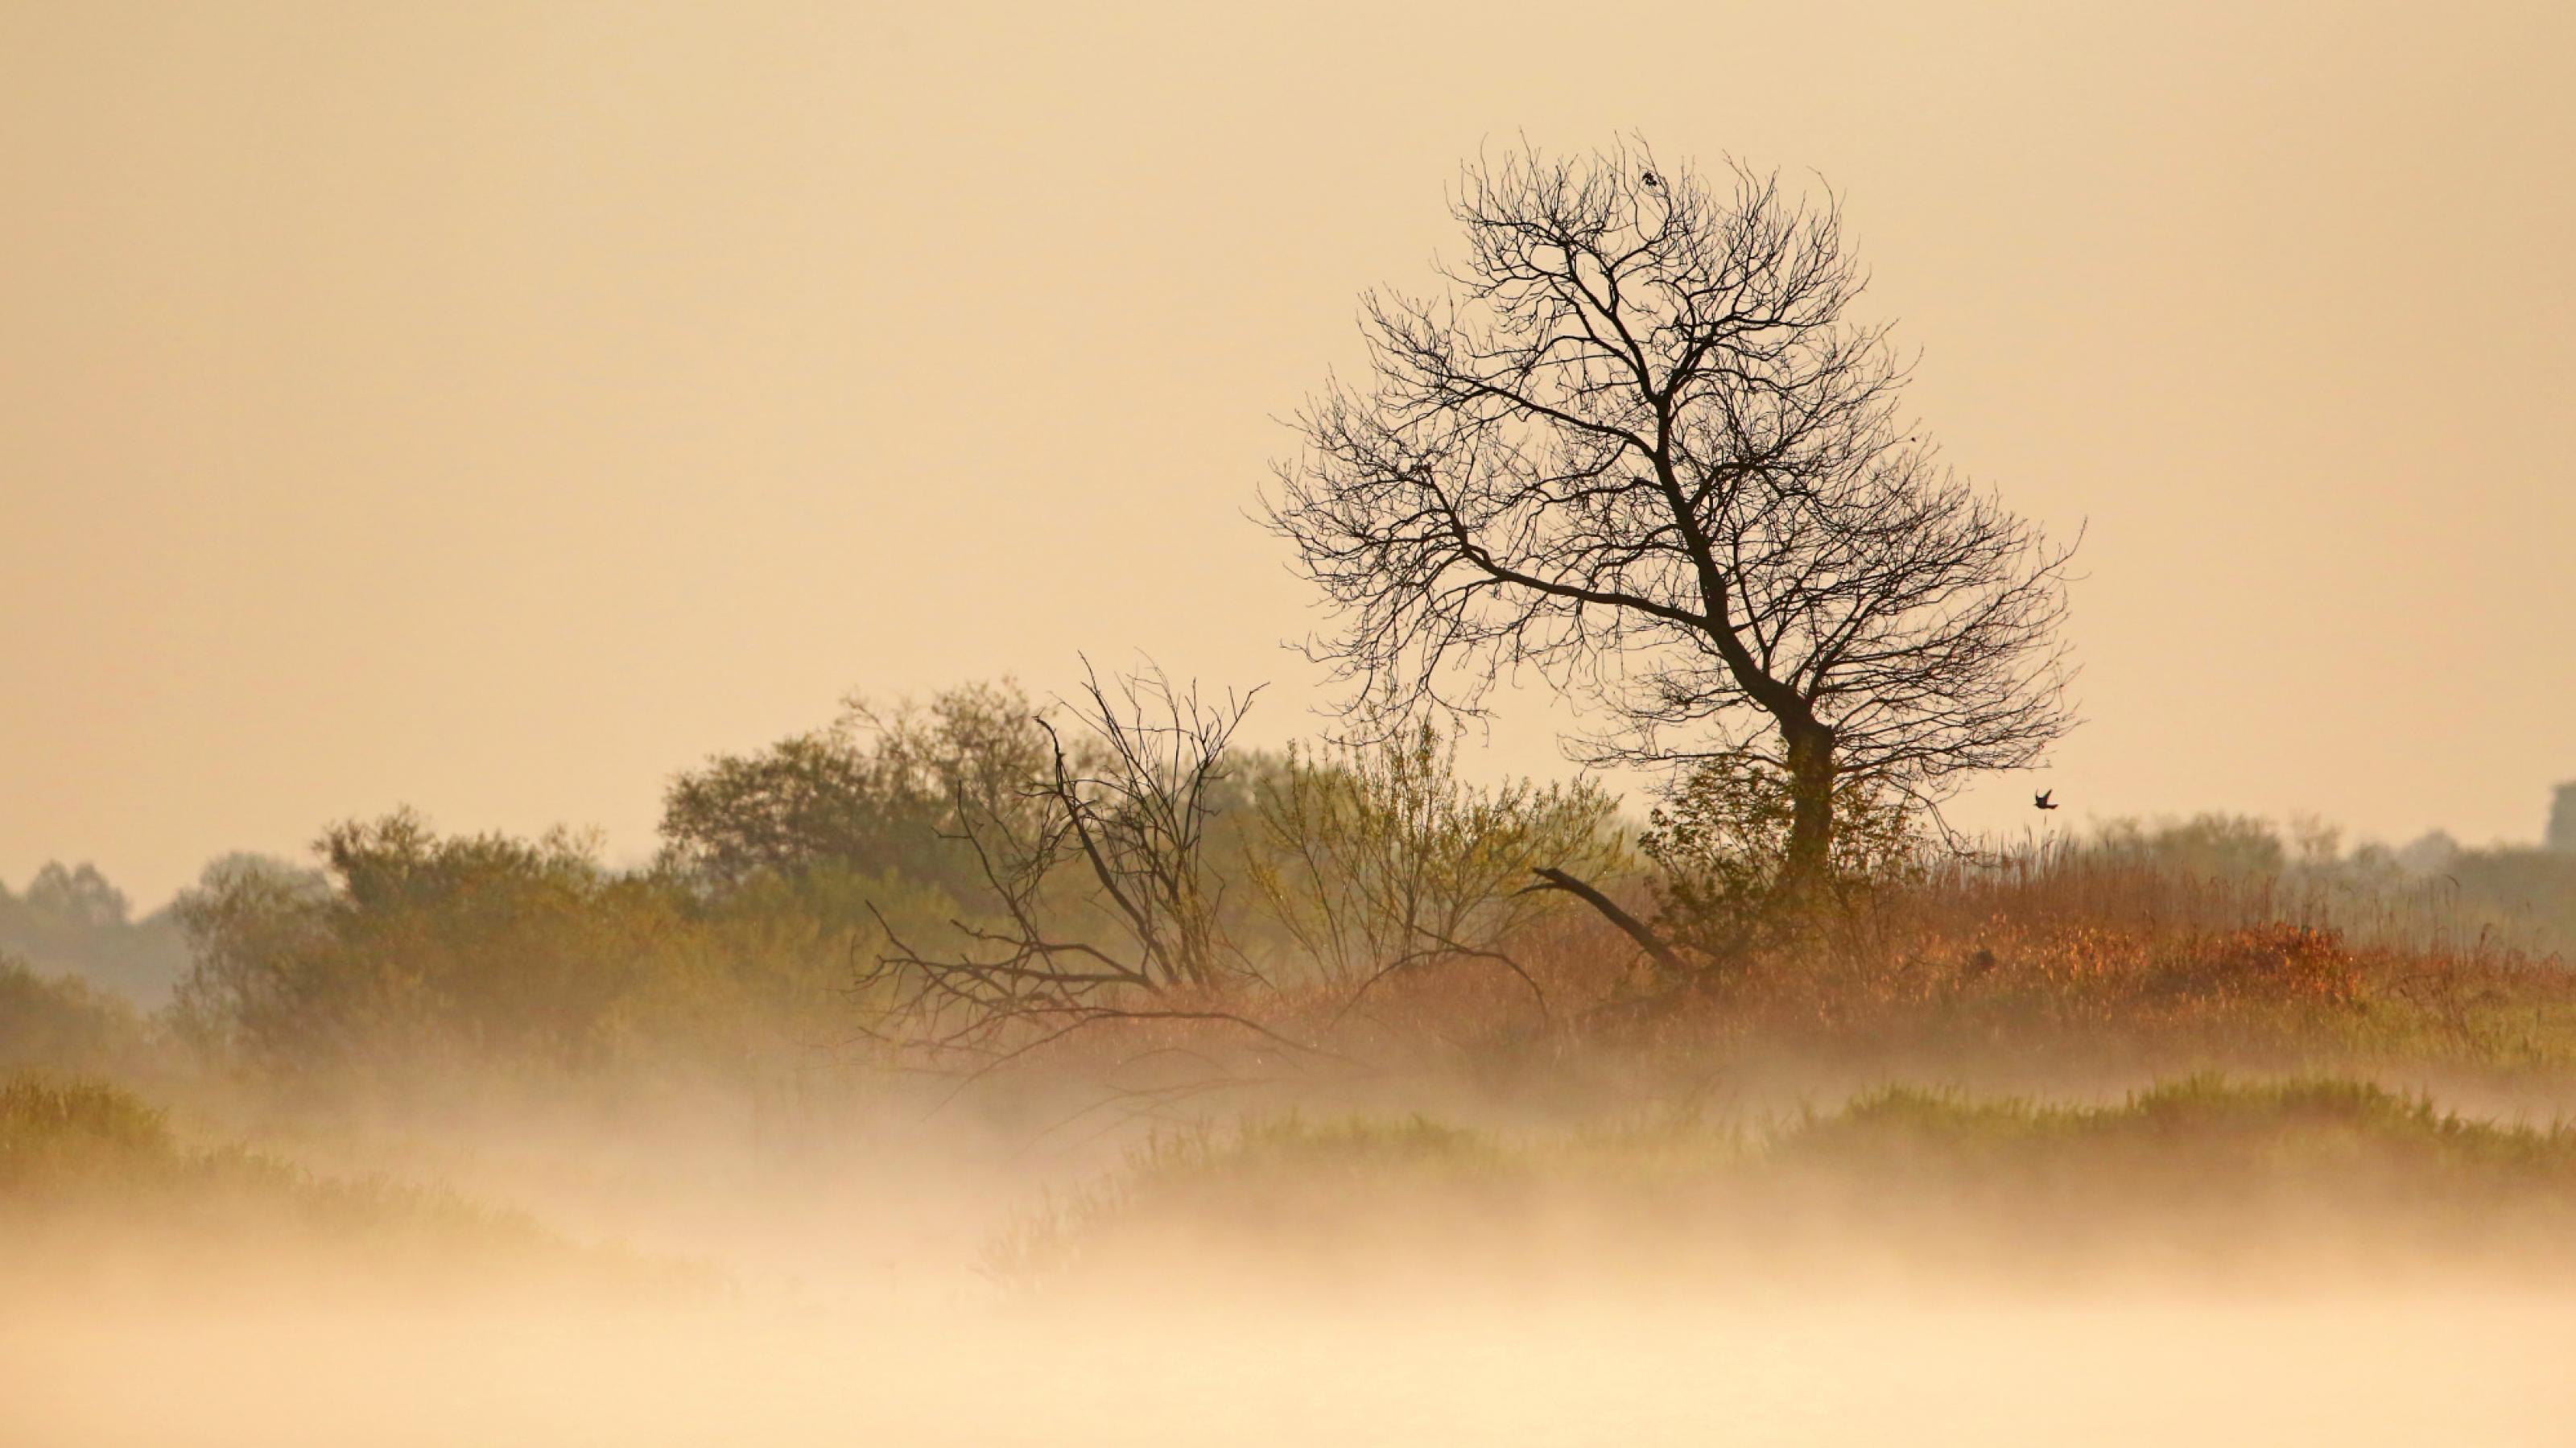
(2205, 1169)
(91, 1173)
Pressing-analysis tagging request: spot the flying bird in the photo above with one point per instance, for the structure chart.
(2041, 799)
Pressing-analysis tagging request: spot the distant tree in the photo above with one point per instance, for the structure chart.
(806, 799)
(78, 896)
(73, 920)
(1641, 446)
(880, 792)
(2562, 818)
(2206, 846)
(2433, 852)
(409, 951)
(256, 928)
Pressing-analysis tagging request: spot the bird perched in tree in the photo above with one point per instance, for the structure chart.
(2041, 799)
(1650, 178)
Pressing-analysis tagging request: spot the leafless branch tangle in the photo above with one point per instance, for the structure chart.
(1125, 806)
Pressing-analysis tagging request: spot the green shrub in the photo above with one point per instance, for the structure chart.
(1366, 858)
(412, 953)
(2228, 1174)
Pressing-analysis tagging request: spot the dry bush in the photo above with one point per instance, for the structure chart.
(2085, 958)
(2095, 970)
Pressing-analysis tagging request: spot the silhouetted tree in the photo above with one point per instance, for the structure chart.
(1641, 446)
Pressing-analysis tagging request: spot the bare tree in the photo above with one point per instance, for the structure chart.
(1108, 908)
(1641, 447)
(1139, 816)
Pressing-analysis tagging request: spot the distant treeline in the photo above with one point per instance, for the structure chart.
(783, 874)
(71, 921)
(941, 834)
(2431, 893)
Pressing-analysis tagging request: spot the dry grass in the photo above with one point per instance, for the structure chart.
(2085, 975)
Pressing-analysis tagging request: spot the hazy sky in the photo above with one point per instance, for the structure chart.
(496, 408)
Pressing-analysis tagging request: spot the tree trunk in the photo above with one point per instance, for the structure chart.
(1811, 809)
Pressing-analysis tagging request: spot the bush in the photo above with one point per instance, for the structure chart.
(1719, 841)
(64, 1025)
(1370, 858)
(413, 951)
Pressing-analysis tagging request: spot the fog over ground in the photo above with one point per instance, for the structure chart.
(848, 1293)
(886, 1332)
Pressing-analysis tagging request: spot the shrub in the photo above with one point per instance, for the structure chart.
(413, 951)
(1719, 841)
(1370, 858)
(63, 1025)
